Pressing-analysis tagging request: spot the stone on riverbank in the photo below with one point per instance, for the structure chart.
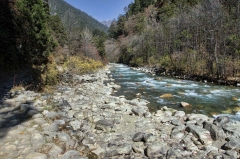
(81, 121)
(184, 104)
(166, 96)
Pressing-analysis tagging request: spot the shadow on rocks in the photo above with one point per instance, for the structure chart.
(13, 117)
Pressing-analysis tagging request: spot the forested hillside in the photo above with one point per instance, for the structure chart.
(85, 35)
(38, 43)
(192, 38)
(73, 18)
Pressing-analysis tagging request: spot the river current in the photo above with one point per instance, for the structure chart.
(204, 98)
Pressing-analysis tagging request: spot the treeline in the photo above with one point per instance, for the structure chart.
(35, 41)
(25, 34)
(85, 35)
(197, 37)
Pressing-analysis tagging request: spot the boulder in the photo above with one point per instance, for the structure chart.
(216, 132)
(138, 111)
(232, 129)
(75, 124)
(232, 144)
(202, 134)
(166, 96)
(198, 117)
(55, 151)
(157, 150)
(138, 137)
(138, 147)
(184, 104)
(104, 125)
(179, 114)
(175, 153)
(122, 149)
(221, 120)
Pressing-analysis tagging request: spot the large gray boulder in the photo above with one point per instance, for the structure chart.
(122, 149)
(216, 132)
(202, 134)
(104, 125)
(232, 144)
(157, 150)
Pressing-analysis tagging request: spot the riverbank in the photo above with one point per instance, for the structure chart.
(231, 81)
(81, 119)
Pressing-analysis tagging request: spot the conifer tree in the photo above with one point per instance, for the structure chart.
(34, 36)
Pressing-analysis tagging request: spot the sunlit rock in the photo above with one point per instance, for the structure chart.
(166, 96)
(184, 104)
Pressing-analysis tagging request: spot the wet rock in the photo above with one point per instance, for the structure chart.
(216, 132)
(202, 134)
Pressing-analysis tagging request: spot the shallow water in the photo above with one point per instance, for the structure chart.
(204, 98)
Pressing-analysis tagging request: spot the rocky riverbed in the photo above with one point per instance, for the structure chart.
(81, 120)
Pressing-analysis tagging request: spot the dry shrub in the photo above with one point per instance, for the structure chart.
(81, 65)
(51, 75)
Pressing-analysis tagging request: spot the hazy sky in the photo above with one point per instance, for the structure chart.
(101, 9)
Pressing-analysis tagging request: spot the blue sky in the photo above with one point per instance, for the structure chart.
(101, 9)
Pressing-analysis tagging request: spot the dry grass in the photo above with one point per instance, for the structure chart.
(81, 65)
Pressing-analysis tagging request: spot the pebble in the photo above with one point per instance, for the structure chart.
(80, 122)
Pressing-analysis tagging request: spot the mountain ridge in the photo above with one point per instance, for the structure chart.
(73, 17)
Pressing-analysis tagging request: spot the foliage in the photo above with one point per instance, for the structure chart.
(198, 37)
(57, 29)
(34, 35)
(9, 59)
(51, 76)
(126, 55)
(99, 38)
(81, 65)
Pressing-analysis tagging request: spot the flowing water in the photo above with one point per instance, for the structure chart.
(204, 98)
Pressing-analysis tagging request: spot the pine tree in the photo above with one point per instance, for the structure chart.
(34, 35)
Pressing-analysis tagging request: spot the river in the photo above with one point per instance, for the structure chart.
(204, 98)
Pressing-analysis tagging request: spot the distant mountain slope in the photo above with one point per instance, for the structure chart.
(74, 18)
(107, 22)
